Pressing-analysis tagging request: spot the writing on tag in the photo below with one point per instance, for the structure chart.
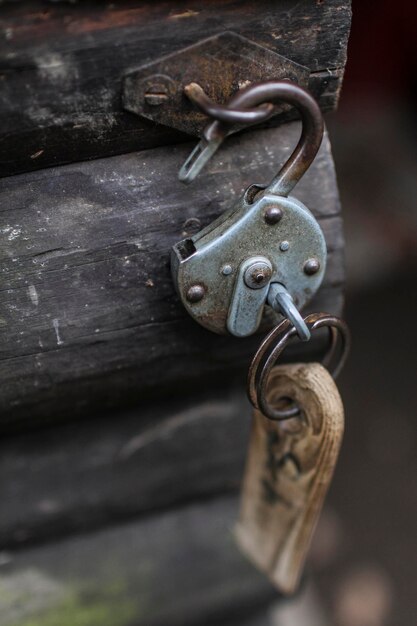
(289, 467)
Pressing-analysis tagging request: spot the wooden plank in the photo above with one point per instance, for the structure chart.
(90, 318)
(181, 568)
(94, 473)
(62, 66)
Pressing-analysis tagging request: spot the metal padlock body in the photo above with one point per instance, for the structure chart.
(205, 267)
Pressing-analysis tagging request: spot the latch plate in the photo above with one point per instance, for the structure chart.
(221, 65)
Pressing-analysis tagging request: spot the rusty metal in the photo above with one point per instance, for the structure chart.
(258, 274)
(195, 293)
(221, 65)
(250, 289)
(311, 266)
(268, 92)
(274, 344)
(225, 112)
(273, 215)
(215, 256)
(265, 224)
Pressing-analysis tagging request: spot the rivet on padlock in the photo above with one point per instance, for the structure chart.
(268, 250)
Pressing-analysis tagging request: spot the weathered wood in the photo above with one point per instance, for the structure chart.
(93, 473)
(62, 66)
(180, 568)
(289, 469)
(89, 314)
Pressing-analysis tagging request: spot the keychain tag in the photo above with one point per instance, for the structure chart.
(289, 467)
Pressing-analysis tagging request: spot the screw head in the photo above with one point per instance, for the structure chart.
(257, 275)
(227, 270)
(284, 245)
(311, 266)
(157, 97)
(156, 89)
(195, 293)
(273, 215)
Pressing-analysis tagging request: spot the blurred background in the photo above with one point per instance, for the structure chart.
(364, 562)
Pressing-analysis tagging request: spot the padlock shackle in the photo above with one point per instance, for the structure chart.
(256, 94)
(312, 127)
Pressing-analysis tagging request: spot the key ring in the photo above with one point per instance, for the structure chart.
(273, 346)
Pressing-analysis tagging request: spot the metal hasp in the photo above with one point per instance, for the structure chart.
(266, 256)
(221, 65)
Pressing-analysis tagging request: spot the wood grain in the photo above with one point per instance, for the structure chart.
(62, 66)
(179, 568)
(82, 476)
(289, 468)
(90, 319)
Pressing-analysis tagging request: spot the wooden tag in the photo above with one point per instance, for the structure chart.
(289, 467)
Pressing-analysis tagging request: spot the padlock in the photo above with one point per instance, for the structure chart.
(267, 253)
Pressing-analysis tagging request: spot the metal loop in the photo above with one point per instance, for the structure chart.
(227, 113)
(273, 346)
(256, 94)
